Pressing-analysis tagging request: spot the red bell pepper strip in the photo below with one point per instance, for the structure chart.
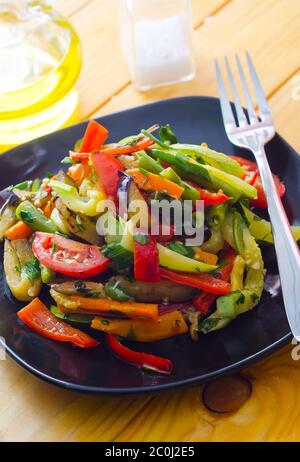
(142, 360)
(146, 258)
(106, 168)
(210, 198)
(204, 300)
(203, 281)
(94, 137)
(255, 180)
(38, 318)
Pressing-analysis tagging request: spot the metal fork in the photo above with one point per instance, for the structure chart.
(253, 133)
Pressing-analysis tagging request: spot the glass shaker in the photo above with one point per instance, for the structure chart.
(40, 60)
(156, 38)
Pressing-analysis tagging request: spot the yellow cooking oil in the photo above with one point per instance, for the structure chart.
(40, 61)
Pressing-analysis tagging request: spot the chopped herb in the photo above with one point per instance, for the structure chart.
(208, 324)
(115, 292)
(32, 269)
(81, 228)
(121, 259)
(18, 269)
(54, 247)
(105, 322)
(82, 288)
(94, 177)
(241, 299)
(254, 298)
(26, 216)
(49, 175)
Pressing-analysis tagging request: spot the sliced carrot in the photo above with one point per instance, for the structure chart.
(206, 257)
(153, 182)
(133, 310)
(18, 231)
(167, 326)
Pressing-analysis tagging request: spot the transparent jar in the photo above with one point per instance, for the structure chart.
(156, 38)
(40, 61)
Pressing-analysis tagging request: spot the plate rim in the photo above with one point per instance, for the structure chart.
(95, 390)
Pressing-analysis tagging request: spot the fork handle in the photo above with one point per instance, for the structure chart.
(287, 251)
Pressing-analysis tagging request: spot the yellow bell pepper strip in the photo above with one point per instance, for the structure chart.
(71, 198)
(168, 325)
(132, 310)
(153, 182)
(7, 220)
(177, 262)
(21, 270)
(142, 360)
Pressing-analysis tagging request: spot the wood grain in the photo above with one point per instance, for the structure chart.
(272, 413)
(104, 73)
(35, 411)
(267, 46)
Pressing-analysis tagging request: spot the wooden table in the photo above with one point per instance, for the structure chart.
(35, 411)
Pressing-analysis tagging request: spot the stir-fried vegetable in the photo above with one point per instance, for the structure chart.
(68, 257)
(70, 196)
(22, 270)
(37, 317)
(166, 326)
(132, 310)
(87, 234)
(151, 292)
(35, 219)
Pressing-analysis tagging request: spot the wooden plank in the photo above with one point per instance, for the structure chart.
(277, 34)
(32, 410)
(285, 107)
(271, 414)
(104, 72)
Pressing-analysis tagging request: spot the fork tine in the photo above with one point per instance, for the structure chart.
(263, 106)
(226, 109)
(250, 108)
(238, 106)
